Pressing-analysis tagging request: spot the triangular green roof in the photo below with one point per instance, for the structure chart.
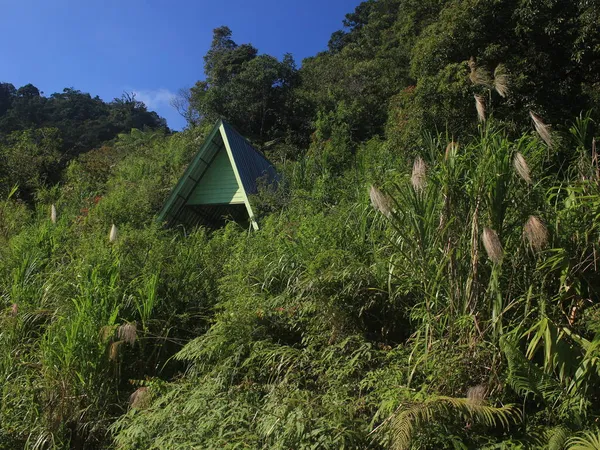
(221, 175)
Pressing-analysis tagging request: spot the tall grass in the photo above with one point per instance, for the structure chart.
(471, 286)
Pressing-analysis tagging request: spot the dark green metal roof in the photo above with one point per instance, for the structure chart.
(247, 163)
(250, 163)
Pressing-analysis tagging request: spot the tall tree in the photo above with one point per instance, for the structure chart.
(252, 91)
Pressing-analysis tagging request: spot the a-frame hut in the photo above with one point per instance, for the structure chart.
(218, 181)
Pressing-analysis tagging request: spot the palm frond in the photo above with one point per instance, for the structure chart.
(557, 438)
(406, 423)
(586, 441)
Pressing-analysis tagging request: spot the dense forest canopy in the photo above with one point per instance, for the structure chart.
(425, 275)
(39, 135)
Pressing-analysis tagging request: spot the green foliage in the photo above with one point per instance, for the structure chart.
(252, 91)
(40, 135)
(471, 286)
(586, 441)
(409, 420)
(29, 159)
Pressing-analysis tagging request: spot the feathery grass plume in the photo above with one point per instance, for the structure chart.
(380, 201)
(107, 332)
(113, 350)
(522, 168)
(480, 105)
(140, 398)
(53, 214)
(501, 80)
(14, 310)
(536, 233)
(127, 332)
(477, 394)
(492, 245)
(419, 174)
(541, 128)
(478, 75)
(112, 237)
(451, 150)
(573, 315)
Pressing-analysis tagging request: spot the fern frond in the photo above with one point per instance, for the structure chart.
(587, 441)
(557, 438)
(526, 378)
(405, 423)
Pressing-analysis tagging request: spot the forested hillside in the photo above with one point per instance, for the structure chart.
(40, 135)
(425, 275)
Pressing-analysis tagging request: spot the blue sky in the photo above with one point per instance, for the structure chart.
(151, 47)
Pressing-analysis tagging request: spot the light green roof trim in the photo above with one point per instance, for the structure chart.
(238, 178)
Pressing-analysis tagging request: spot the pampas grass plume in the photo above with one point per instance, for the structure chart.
(113, 351)
(53, 214)
(380, 201)
(107, 332)
(477, 394)
(112, 237)
(127, 332)
(419, 174)
(521, 167)
(480, 106)
(451, 150)
(536, 233)
(478, 75)
(492, 245)
(501, 80)
(541, 128)
(140, 398)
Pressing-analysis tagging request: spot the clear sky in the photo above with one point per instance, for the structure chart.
(150, 47)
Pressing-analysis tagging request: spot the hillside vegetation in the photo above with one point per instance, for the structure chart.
(425, 276)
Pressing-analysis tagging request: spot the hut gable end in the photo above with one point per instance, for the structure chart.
(216, 185)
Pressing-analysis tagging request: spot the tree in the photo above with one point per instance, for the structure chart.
(7, 94)
(29, 159)
(249, 90)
